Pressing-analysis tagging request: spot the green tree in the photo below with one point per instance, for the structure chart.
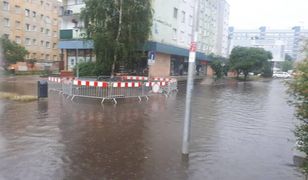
(12, 52)
(298, 89)
(216, 65)
(248, 59)
(119, 29)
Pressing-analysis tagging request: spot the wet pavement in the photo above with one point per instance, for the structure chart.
(240, 131)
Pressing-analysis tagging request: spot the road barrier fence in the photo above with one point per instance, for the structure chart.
(129, 87)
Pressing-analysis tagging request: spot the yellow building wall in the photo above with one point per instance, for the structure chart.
(161, 67)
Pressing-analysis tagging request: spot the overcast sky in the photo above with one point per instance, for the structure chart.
(251, 14)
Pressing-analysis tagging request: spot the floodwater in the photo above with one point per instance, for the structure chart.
(240, 131)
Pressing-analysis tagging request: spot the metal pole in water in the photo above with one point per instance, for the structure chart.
(189, 88)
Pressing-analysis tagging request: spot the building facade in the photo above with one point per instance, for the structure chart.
(33, 24)
(280, 42)
(170, 37)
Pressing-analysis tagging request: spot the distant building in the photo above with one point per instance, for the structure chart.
(33, 24)
(279, 42)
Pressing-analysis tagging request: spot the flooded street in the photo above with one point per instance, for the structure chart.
(240, 131)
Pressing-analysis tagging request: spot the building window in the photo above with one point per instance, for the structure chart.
(183, 17)
(27, 27)
(47, 57)
(6, 22)
(42, 3)
(42, 30)
(175, 13)
(190, 20)
(34, 42)
(6, 36)
(174, 32)
(27, 12)
(55, 34)
(17, 9)
(55, 22)
(17, 39)
(54, 45)
(33, 14)
(47, 44)
(33, 28)
(17, 24)
(182, 36)
(6, 6)
(47, 31)
(28, 41)
(42, 43)
(42, 56)
(34, 56)
(55, 58)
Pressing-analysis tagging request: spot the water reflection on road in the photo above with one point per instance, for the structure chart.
(239, 131)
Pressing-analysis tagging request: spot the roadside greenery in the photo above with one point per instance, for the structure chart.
(250, 59)
(119, 29)
(298, 89)
(219, 65)
(12, 52)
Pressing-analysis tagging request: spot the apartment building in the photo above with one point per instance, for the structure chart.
(279, 41)
(170, 38)
(223, 28)
(33, 24)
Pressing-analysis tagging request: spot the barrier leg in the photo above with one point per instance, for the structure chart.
(147, 98)
(72, 99)
(115, 101)
(102, 101)
(139, 98)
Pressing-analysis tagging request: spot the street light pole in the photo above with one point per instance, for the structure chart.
(189, 88)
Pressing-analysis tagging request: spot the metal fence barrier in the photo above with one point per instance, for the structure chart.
(130, 87)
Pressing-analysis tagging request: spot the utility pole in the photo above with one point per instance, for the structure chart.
(189, 88)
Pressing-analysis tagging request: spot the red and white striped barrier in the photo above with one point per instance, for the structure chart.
(90, 83)
(137, 78)
(126, 84)
(150, 84)
(161, 79)
(55, 79)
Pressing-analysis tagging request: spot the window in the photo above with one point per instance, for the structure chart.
(27, 12)
(27, 27)
(6, 22)
(42, 43)
(47, 44)
(28, 41)
(33, 28)
(42, 3)
(47, 57)
(6, 36)
(47, 31)
(55, 58)
(34, 56)
(5, 6)
(42, 30)
(55, 22)
(42, 56)
(54, 45)
(174, 32)
(175, 13)
(55, 34)
(182, 36)
(34, 42)
(17, 39)
(190, 20)
(33, 14)
(183, 16)
(17, 9)
(17, 24)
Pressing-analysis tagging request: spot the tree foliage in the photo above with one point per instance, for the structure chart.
(298, 89)
(12, 52)
(219, 65)
(119, 28)
(248, 59)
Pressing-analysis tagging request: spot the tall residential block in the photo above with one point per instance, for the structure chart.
(33, 24)
(280, 42)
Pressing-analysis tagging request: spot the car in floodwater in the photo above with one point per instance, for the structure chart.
(281, 75)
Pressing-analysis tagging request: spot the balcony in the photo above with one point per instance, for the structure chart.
(72, 34)
(70, 10)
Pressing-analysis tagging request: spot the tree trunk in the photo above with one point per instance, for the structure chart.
(115, 56)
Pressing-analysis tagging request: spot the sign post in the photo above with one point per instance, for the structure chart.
(190, 85)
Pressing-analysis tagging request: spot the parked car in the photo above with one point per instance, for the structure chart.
(281, 75)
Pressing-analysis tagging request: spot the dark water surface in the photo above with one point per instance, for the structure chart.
(240, 131)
